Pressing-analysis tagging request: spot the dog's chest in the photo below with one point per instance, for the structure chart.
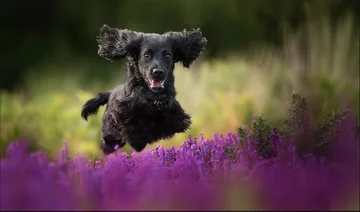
(153, 114)
(150, 119)
(149, 113)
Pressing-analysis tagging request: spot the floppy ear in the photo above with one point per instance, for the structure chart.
(187, 45)
(115, 44)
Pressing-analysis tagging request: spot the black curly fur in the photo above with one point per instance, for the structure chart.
(135, 113)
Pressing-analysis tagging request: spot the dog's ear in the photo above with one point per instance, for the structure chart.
(116, 44)
(187, 45)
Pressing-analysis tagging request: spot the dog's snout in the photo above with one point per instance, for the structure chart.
(158, 72)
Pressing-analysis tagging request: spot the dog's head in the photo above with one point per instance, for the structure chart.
(154, 54)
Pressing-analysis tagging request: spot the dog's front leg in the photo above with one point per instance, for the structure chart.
(179, 120)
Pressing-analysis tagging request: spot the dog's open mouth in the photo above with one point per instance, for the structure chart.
(156, 83)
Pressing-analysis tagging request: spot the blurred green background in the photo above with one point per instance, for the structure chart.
(258, 52)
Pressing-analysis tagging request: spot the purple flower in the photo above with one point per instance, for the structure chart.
(196, 176)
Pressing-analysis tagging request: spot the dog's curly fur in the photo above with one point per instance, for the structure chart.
(137, 112)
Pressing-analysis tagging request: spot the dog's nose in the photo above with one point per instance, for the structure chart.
(158, 72)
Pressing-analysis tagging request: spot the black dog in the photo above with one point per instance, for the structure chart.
(144, 110)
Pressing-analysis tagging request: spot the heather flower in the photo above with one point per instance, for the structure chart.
(203, 177)
(116, 147)
(64, 153)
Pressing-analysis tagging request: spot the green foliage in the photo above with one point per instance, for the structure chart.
(261, 132)
(296, 124)
(316, 138)
(231, 152)
(327, 130)
(48, 119)
(311, 138)
(242, 134)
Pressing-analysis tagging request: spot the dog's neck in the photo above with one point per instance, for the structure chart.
(135, 79)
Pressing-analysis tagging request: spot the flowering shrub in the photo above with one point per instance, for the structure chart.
(222, 173)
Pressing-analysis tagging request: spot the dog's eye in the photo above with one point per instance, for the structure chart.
(168, 56)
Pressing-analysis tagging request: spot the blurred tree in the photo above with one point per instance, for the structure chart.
(64, 32)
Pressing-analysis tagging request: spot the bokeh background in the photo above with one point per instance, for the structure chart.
(258, 52)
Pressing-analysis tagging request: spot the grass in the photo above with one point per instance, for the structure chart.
(320, 60)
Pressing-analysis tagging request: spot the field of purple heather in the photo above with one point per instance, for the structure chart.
(222, 173)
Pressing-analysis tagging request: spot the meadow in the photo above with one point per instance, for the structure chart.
(222, 95)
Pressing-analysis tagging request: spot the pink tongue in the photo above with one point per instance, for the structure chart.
(155, 83)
